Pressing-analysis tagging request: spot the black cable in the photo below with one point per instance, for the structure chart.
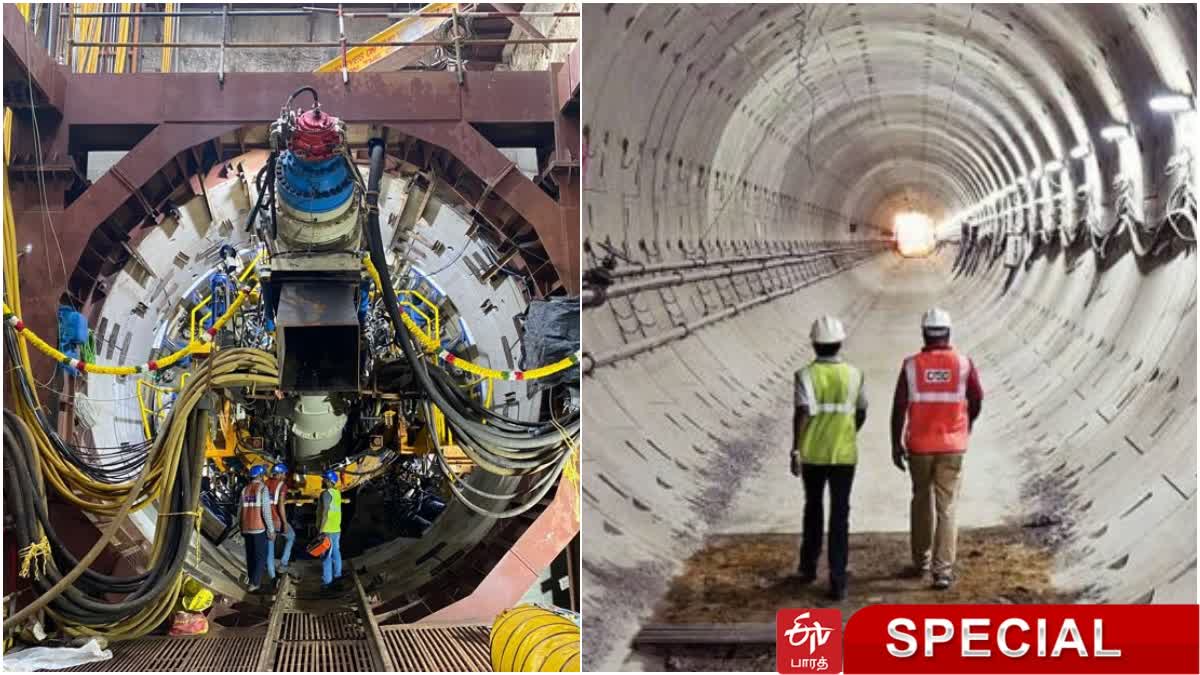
(87, 601)
(485, 435)
(111, 474)
(316, 102)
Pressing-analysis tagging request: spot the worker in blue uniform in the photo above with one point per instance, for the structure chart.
(72, 331)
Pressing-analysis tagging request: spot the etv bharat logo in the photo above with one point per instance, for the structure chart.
(808, 641)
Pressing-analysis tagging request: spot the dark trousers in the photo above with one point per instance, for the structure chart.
(256, 557)
(839, 477)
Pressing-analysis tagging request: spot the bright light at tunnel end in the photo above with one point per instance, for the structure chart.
(915, 236)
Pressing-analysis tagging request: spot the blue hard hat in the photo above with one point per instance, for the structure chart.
(279, 468)
(330, 476)
(257, 470)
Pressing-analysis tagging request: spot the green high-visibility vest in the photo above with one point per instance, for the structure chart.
(333, 514)
(830, 437)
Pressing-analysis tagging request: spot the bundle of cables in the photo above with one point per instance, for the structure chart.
(533, 452)
(79, 600)
(120, 463)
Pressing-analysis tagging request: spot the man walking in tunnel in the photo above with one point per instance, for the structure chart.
(937, 399)
(830, 409)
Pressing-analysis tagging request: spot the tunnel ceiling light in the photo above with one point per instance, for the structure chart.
(1080, 151)
(1053, 165)
(1115, 132)
(1037, 174)
(1171, 103)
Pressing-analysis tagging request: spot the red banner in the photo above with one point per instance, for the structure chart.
(1024, 639)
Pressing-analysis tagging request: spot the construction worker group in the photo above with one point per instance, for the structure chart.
(264, 517)
(937, 399)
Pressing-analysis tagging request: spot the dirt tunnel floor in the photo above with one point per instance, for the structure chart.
(745, 578)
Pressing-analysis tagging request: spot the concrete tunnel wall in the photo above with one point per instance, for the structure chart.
(752, 132)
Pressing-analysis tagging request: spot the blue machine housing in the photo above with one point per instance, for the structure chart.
(314, 187)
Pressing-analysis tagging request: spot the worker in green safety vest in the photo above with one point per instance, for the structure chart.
(830, 409)
(329, 521)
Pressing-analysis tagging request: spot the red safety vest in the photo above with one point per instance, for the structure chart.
(252, 520)
(277, 488)
(937, 402)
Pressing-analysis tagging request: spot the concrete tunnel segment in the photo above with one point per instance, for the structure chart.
(758, 132)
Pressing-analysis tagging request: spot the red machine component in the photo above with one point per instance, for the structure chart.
(315, 136)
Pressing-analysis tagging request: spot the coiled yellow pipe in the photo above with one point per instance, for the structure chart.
(528, 638)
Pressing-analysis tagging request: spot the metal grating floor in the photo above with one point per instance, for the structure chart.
(301, 627)
(322, 643)
(220, 651)
(323, 656)
(416, 648)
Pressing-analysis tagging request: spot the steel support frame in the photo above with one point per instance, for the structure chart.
(164, 118)
(519, 568)
(172, 125)
(27, 64)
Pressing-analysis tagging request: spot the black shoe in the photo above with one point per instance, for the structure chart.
(838, 593)
(914, 572)
(942, 582)
(805, 578)
(329, 590)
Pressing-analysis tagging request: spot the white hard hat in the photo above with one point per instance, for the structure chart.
(936, 320)
(827, 330)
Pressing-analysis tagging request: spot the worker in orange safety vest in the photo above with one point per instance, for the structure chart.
(257, 525)
(938, 397)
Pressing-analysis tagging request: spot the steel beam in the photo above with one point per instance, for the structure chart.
(131, 99)
(503, 179)
(514, 17)
(27, 63)
(162, 115)
(520, 567)
(76, 225)
(568, 80)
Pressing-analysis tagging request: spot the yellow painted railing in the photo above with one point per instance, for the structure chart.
(433, 326)
(198, 319)
(150, 412)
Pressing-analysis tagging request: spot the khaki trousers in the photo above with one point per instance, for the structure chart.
(935, 481)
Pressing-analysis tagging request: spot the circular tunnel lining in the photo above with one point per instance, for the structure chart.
(728, 146)
(460, 543)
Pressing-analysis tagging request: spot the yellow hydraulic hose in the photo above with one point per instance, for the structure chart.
(80, 489)
(226, 369)
(12, 284)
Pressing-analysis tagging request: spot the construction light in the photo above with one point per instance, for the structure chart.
(1171, 103)
(1080, 151)
(1115, 132)
(1053, 165)
(914, 234)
